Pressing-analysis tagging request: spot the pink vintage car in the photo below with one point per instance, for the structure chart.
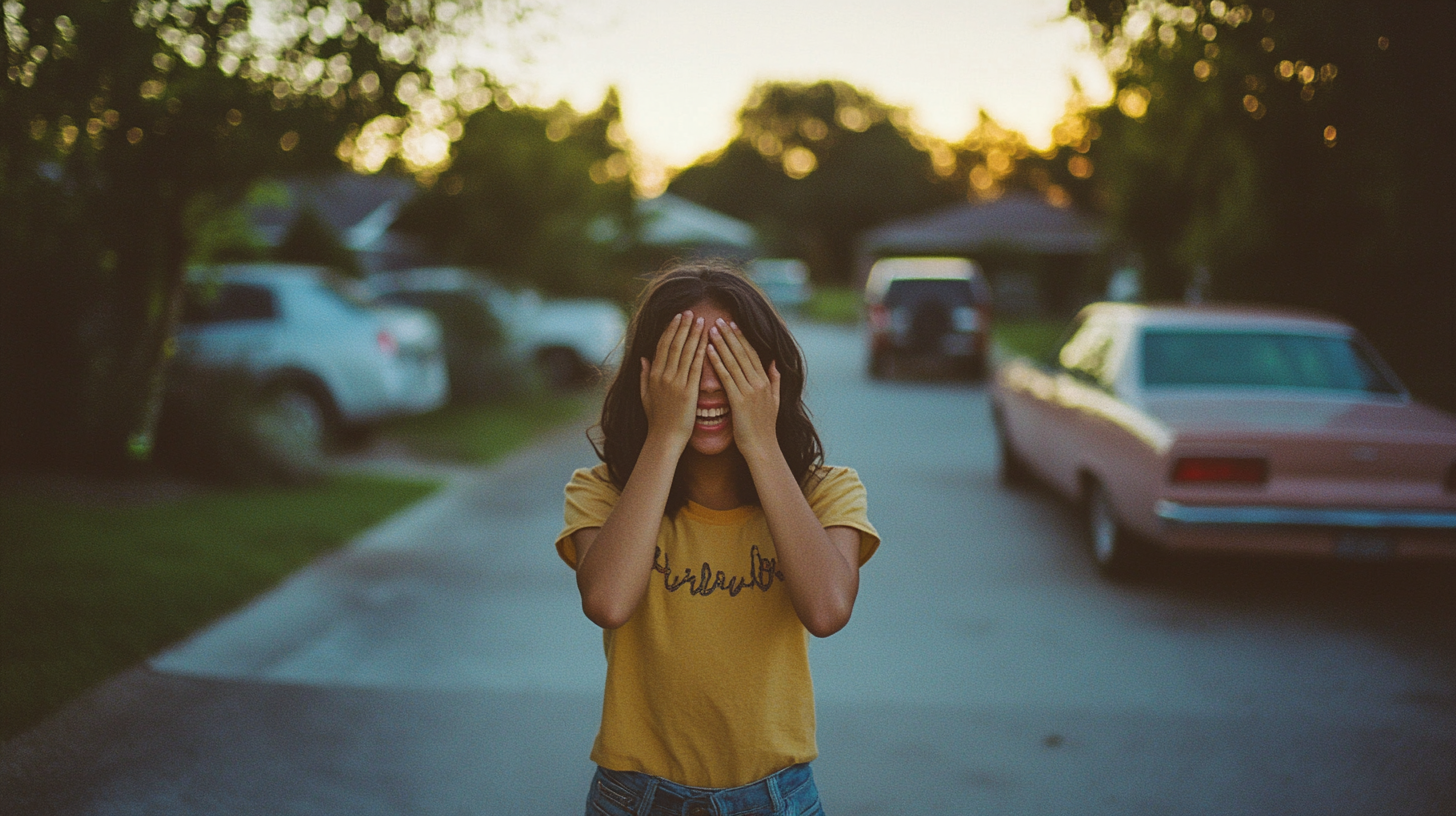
(1235, 429)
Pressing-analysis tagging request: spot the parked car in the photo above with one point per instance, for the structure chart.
(478, 353)
(784, 280)
(1236, 429)
(568, 340)
(927, 314)
(325, 361)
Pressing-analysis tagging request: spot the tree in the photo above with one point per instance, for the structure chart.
(1291, 155)
(310, 240)
(123, 121)
(815, 164)
(539, 196)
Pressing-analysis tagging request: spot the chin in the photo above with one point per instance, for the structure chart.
(711, 444)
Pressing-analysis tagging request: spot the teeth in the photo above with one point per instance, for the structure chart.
(711, 413)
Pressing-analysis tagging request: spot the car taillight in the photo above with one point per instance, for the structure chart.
(387, 343)
(1220, 469)
(879, 317)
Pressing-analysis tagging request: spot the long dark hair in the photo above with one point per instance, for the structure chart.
(619, 436)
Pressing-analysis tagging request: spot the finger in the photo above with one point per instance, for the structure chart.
(664, 344)
(675, 363)
(729, 355)
(700, 354)
(691, 351)
(774, 377)
(747, 354)
(642, 381)
(730, 385)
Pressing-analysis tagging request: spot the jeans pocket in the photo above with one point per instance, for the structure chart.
(608, 799)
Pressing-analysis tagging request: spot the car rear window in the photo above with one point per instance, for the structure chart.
(951, 291)
(229, 302)
(1260, 359)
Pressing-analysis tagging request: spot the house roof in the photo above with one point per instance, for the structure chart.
(360, 209)
(1022, 221)
(673, 221)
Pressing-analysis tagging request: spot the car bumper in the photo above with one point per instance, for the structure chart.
(955, 344)
(1313, 531)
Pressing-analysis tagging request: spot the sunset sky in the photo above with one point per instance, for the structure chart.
(684, 67)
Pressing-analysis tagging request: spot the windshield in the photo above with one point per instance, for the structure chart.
(951, 291)
(1175, 357)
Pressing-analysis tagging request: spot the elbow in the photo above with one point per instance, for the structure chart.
(829, 621)
(604, 613)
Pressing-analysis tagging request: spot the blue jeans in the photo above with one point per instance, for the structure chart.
(789, 792)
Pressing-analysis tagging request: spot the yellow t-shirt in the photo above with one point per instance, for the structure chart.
(708, 682)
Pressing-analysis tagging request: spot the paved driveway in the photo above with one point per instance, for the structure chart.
(440, 664)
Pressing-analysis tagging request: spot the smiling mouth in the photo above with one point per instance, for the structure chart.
(712, 417)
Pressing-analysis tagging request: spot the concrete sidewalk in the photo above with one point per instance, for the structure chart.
(437, 665)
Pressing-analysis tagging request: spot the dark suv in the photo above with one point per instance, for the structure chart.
(930, 325)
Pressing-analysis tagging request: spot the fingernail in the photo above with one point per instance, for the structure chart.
(700, 321)
(734, 325)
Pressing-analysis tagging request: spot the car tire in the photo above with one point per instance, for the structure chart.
(561, 368)
(976, 369)
(290, 428)
(880, 367)
(1012, 469)
(1114, 549)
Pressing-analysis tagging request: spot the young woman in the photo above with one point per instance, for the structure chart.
(708, 545)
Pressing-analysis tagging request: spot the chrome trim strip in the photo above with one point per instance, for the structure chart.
(1305, 516)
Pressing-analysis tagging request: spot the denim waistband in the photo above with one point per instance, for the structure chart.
(665, 796)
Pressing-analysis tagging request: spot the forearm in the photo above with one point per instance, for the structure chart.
(822, 581)
(612, 573)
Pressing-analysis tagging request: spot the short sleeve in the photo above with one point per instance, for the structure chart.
(838, 499)
(590, 497)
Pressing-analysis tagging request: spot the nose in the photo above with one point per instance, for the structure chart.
(708, 382)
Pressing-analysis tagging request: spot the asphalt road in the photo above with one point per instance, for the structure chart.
(441, 665)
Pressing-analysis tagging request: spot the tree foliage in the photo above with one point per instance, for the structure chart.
(121, 120)
(1293, 154)
(538, 196)
(815, 164)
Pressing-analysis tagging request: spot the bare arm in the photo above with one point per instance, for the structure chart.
(821, 566)
(614, 561)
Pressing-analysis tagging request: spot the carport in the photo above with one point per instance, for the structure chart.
(1038, 257)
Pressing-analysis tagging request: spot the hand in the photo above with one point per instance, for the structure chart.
(753, 393)
(669, 384)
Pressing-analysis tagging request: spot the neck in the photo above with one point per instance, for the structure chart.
(712, 481)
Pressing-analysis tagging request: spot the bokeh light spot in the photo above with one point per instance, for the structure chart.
(799, 162)
(1133, 101)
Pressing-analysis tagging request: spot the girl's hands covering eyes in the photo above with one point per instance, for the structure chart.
(753, 392)
(669, 384)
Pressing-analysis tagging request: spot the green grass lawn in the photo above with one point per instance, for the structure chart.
(475, 434)
(1028, 337)
(834, 304)
(90, 587)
